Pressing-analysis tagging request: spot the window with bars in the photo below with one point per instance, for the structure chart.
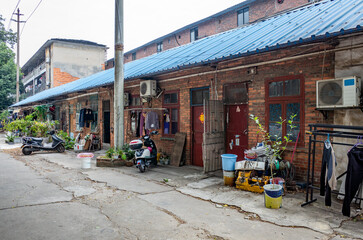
(171, 113)
(285, 98)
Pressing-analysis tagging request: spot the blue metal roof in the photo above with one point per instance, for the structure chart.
(313, 22)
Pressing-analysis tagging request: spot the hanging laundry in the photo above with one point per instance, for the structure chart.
(354, 177)
(152, 121)
(85, 117)
(166, 123)
(141, 125)
(328, 179)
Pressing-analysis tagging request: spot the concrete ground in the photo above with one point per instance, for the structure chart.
(49, 196)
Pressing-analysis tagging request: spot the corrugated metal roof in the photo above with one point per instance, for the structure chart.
(313, 22)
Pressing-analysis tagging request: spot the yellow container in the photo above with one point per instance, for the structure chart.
(229, 177)
(273, 196)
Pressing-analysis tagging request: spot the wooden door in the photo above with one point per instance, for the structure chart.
(236, 129)
(197, 136)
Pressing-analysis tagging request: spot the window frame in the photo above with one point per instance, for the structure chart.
(171, 106)
(195, 31)
(284, 101)
(159, 47)
(133, 56)
(243, 12)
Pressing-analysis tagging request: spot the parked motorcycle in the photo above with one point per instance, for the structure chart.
(31, 144)
(145, 151)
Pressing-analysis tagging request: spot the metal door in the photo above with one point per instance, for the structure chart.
(197, 136)
(236, 129)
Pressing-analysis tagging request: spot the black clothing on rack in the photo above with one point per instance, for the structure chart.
(354, 177)
(85, 117)
(327, 172)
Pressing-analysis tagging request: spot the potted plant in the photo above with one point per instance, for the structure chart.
(128, 155)
(10, 138)
(275, 146)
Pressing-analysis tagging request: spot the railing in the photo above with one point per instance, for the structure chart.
(35, 73)
(38, 89)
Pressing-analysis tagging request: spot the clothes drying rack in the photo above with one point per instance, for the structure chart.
(326, 131)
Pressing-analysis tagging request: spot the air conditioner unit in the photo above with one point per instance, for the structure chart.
(126, 99)
(148, 88)
(338, 93)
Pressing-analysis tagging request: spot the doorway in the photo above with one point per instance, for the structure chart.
(106, 121)
(197, 98)
(235, 97)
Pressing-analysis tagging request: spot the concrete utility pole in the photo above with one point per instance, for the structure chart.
(18, 53)
(119, 75)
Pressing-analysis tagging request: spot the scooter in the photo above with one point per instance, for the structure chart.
(31, 144)
(145, 157)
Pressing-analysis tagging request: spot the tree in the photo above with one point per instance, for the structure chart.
(7, 67)
(6, 36)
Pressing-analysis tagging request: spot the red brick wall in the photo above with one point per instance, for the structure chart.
(264, 8)
(310, 67)
(60, 78)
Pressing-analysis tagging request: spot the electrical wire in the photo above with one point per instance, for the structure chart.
(30, 16)
(12, 15)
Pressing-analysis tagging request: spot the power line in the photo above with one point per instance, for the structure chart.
(13, 14)
(30, 15)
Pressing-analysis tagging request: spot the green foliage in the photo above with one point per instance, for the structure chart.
(7, 76)
(30, 128)
(110, 152)
(275, 145)
(128, 153)
(6, 36)
(10, 138)
(69, 141)
(4, 117)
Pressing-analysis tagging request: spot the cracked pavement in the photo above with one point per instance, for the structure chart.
(49, 196)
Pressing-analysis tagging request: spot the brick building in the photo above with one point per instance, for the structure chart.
(269, 69)
(60, 61)
(236, 16)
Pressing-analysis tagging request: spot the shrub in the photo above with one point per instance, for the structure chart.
(69, 141)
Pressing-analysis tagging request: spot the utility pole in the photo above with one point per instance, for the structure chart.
(18, 52)
(118, 99)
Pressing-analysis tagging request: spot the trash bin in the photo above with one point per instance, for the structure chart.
(228, 162)
(86, 159)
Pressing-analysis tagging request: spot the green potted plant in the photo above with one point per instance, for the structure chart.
(128, 155)
(10, 138)
(275, 146)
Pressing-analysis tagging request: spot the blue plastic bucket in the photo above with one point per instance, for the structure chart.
(228, 161)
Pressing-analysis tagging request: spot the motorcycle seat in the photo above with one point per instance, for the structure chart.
(38, 139)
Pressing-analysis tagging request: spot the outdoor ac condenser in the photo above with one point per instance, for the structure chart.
(338, 93)
(148, 88)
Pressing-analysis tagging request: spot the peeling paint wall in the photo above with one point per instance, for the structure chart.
(78, 60)
(348, 63)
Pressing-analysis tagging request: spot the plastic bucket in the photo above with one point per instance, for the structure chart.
(86, 163)
(229, 178)
(228, 162)
(273, 196)
(86, 159)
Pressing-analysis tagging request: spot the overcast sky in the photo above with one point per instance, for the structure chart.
(93, 20)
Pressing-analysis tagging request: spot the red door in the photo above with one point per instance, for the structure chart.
(236, 129)
(198, 129)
